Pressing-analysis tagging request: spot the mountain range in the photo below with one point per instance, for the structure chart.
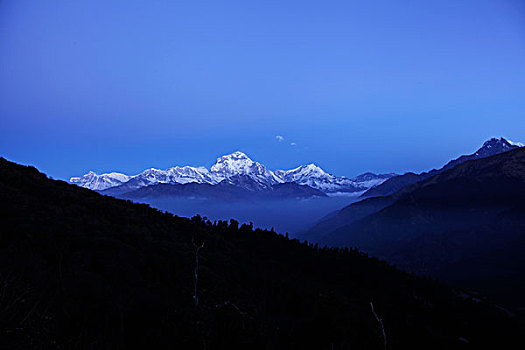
(236, 174)
(464, 224)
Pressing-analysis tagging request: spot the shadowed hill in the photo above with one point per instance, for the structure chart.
(441, 226)
(82, 270)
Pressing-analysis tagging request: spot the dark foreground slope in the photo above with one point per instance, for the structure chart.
(465, 225)
(80, 270)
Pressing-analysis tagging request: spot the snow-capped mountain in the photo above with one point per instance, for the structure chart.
(230, 166)
(236, 169)
(178, 175)
(315, 177)
(100, 182)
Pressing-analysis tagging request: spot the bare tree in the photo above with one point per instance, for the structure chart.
(380, 321)
(196, 271)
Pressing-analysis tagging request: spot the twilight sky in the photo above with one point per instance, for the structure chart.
(352, 86)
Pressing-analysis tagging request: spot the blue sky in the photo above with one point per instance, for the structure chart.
(356, 85)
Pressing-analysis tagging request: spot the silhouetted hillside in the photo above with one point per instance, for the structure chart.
(82, 270)
(465, 225)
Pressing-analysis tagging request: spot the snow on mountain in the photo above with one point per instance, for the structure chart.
(176, 174)
(236, 169)
(369, 180)
(517, 144)
(303, 173)
(100, 182)
(315, 177)
(496, 146)
(237, 163)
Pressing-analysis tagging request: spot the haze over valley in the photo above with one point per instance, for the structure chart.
(240, 188)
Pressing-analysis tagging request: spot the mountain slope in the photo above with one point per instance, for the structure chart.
(346, 216)
(82, 270)
(224, 190)
(473, 210)
(491, 147)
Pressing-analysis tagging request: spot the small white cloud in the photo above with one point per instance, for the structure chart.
(279, 138)
(293, 144)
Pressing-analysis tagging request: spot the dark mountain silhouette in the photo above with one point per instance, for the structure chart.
(491, 147)
(82, 270)
(465, 224)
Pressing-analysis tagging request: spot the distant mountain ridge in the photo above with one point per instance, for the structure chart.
(489, 148)
(236, 169)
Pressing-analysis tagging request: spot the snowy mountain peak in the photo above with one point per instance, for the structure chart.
(238, 163)
(236, 155)
(496, 142)
(496, 146)
(501, 142)
(304, 171)
(99, 182)
(313, 169)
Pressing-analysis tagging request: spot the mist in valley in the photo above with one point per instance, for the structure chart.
(286, 215)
